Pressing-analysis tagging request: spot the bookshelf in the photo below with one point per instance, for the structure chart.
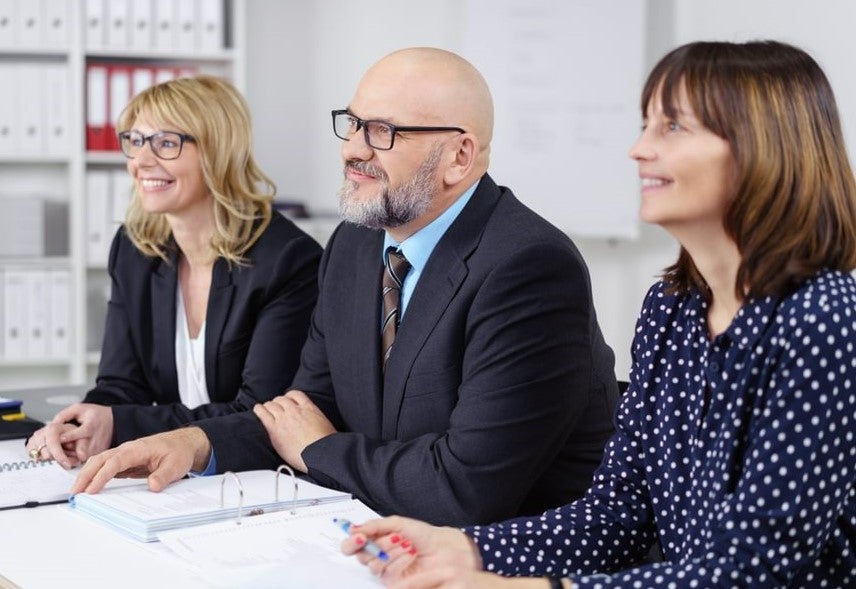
(65, 37)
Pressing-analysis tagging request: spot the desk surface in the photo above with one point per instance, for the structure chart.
(53, 546)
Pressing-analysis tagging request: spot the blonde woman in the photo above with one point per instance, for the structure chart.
(212, 290)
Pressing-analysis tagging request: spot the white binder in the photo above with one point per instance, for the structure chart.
(59, 331)
(37, 304)
(95, 35)
(8, 22)
(55, 23)
(30, 88)
(14, 314)
(57, 115)
(164, 33)
(97, 215)
(120, 191)
(141, 25)
(211, 35)
(29, 16)
(186, 26)
(117, 24)
(8, 109)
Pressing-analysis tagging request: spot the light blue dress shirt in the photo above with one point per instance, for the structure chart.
(418, 247)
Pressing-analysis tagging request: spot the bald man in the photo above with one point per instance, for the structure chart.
(497, 395)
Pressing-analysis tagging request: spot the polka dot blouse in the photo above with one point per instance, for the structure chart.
(736, 453)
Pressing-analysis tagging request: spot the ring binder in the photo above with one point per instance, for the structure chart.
(240, 492)
(293, 480)
(237, 479)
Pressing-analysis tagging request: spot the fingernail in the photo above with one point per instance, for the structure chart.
(359, 540)
(405, 544)
(412, 551)
(395, 538)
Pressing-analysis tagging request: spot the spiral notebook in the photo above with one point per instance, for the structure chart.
(29, 483)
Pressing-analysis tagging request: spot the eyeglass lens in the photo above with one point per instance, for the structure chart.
(379, 135)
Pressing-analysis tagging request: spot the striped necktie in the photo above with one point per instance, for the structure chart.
(395, 269)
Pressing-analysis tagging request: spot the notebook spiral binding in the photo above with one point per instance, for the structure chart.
(23, 465)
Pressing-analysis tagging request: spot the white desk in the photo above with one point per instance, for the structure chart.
(53, 546)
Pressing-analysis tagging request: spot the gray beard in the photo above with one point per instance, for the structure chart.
(390, 207)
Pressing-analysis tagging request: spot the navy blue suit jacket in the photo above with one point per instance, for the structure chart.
(256, 323)
(499, 393)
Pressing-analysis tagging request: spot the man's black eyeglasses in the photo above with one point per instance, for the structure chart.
(378, 134)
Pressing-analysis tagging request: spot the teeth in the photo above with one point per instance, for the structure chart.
(153, 183)
(653, 182)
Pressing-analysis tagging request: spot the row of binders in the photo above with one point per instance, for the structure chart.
(35, 117)
(109, 88)
(159, 25)
(122, 25)
(108, 193)
(34, 24)
(36, 313)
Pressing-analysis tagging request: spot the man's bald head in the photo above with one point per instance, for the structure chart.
(430, 86)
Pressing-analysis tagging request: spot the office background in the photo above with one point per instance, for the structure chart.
(297, 60)
(305, 58)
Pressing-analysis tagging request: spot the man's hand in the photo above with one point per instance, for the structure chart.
(293, 422)
(162, 458)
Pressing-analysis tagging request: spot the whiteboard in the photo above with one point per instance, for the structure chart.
(566, 76)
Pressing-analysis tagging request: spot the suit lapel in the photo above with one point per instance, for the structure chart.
(365, 325)
(441, 279)
(219, 302)
(163, 293)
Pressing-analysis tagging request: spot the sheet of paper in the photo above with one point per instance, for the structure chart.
(300, 549)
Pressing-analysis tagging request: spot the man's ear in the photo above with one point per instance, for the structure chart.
(463, 159)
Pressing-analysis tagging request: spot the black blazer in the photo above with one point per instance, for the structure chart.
(499, 393)
(257, 320)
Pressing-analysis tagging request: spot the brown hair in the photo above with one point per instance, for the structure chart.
(214, 113)
(794, 208)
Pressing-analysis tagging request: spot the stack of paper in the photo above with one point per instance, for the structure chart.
(142, 514)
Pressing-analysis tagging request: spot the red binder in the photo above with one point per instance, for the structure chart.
(96, 107)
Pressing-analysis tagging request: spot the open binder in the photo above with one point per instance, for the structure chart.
(142, 514)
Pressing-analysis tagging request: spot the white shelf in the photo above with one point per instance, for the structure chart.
(65, 177)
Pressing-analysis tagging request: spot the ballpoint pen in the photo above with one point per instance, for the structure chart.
(369, 546)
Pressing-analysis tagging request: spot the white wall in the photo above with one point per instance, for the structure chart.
(290, 40)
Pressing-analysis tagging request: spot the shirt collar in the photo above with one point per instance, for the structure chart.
(418, 247)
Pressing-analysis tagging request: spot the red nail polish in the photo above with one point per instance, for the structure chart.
(359, 540)
(395, 538)
(405, 544)
(412, 551)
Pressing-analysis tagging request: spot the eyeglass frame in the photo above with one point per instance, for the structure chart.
(182, 138)
(362, 124)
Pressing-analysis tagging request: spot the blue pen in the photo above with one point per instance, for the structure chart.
(369, 547)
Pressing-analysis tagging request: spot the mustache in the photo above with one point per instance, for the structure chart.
(365, 168)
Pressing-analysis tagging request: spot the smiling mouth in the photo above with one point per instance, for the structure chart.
(654, 182)
(151, 183)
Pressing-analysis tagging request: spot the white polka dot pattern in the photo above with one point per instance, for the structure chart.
(736, 453)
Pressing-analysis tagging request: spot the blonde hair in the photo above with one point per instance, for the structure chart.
(794, 210)
(215, 114)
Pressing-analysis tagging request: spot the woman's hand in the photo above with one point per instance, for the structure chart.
(71, 444)
(420, 555)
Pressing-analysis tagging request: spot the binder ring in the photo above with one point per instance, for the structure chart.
(293, 479)
(240, 492)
